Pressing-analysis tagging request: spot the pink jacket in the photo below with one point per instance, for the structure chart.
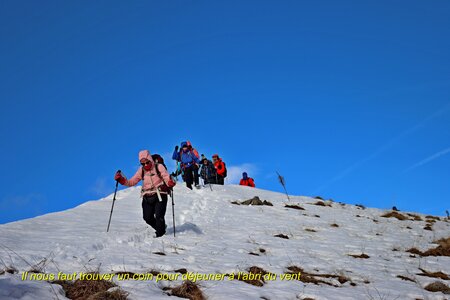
(151, 178)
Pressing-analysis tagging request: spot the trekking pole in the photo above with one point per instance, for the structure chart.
(112, 207)
(173, 213)
(283, 183)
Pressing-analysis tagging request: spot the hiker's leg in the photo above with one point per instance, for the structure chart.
(160, 212)
(148, 209)
(189, 176)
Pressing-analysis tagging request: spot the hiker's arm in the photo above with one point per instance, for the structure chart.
(135, 179)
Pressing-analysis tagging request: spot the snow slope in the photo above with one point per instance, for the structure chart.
(215, 236)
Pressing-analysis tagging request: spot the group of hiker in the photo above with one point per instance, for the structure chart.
(157, 183)
(189, 163)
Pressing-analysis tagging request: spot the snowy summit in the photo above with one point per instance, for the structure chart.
(302, 248)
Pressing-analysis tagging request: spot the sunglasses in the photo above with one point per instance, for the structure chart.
(145, 163)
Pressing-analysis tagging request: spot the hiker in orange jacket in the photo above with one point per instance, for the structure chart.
(220, 168)
(247, 181)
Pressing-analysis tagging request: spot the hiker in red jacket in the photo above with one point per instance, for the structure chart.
(247, 181)
(220, 168)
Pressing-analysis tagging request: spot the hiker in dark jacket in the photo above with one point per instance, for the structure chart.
(188, 164)
(208, 171)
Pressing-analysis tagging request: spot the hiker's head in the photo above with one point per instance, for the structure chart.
(205, 161)
(215, 157)
(145, 159)
(184, 146)
(244, 175)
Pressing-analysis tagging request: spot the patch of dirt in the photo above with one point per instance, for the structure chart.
(334, 225)
(321, 203)
(415, 217)
(438, 286)
(188, 290)
(360, 206)
(262, 250)
(310, 230)
(254, 201)
(8, 270)
(428, 227)
(294, 206)
(283, 236)
(182, 271)
(394, 214)
(159, 253)
(253, 253)
(362, 255)
(405, 278)
(439, 274)
(433, 218)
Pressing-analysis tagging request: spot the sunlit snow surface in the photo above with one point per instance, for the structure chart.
(215, 236)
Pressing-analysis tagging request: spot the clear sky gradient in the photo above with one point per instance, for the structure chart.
(349, 100)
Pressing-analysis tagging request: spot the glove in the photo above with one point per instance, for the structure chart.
(176, 148)
(118, 177)
(171, 183)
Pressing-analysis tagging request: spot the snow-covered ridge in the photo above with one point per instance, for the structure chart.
(215, 236)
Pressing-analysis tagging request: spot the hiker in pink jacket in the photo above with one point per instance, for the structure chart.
(154, 210)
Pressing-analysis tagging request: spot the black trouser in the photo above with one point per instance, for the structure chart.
(154, 212)
(191, 176)
(196, 176)
(220, 179)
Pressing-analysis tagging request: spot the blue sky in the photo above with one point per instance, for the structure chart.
(349, 100)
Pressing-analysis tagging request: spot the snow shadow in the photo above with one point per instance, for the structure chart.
(185, 227)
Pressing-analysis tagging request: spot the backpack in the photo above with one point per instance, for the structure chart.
(158, 160)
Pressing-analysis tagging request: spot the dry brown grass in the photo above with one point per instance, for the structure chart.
(294, 206)
(439, 274)
(405, 278)
(428, 227)
(91, 289)
(307, 277)
(321, 203)
(256, 282)
(442, 250)
(433, 218)
(394, 214)
(415, 217)
(188, 290)
(438, 286)
(283, 236)
(362, 255)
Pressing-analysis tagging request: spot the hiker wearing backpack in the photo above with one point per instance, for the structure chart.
(208, 171)
(196, 166)
(247, 181)
(221, 169)
(189, 164)
(155, 177)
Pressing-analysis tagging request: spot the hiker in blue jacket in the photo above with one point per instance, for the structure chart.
(189, 163)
